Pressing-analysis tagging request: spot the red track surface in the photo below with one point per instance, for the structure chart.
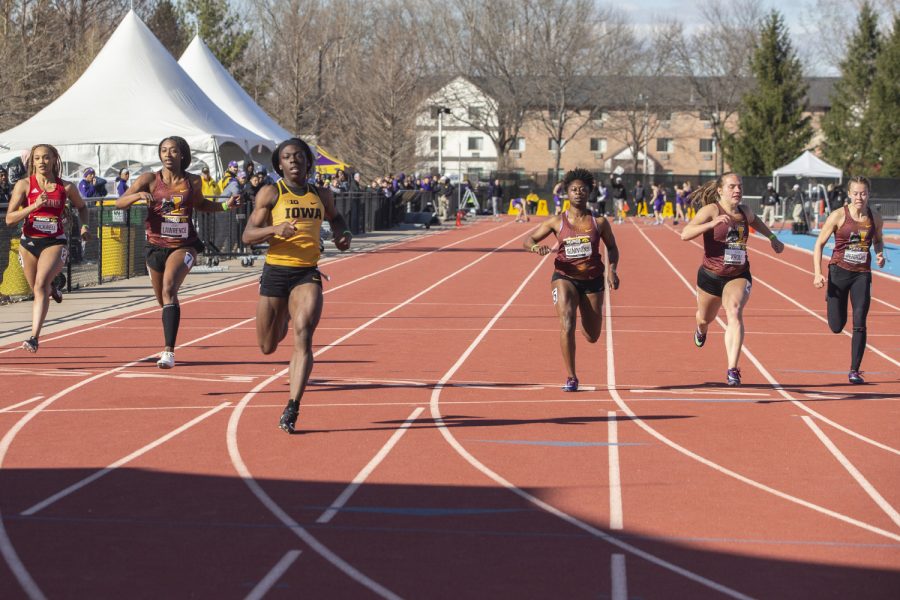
(437, 387)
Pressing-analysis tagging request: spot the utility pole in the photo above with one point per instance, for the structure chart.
(441, 111)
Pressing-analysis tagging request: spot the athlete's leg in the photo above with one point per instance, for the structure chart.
(734, 298)
(305, 306)
(271, 322)
(836, 295)
(40, 272)
(178, 265)
(860, 296)
(591, 308)
(707, 309)
(565, 297)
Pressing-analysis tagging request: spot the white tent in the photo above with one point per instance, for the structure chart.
(200, 63)
(807, 165)
(132, 96)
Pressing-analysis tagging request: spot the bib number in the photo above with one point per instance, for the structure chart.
(578, 247)
(174, 229)
(856, 257)
(45, 224)
(735, 256)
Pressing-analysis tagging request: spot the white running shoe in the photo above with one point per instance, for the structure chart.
(166, 360)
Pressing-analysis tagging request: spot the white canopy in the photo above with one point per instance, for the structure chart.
(808, 165)
(130, 97)
(200, 63)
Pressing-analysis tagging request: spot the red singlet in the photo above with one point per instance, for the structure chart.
(725, 247)
(578, 255)
(48, 221)
(852, 241)
(169, 223)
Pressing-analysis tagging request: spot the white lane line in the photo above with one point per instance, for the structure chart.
(887, 276)
(247, 477)
(688, 392)
(772, 381)
(883, 504)
(715, 466)
(23, 403)
(574, 521)
(122, 461)
(361, 477)
(217, 379)
(268, 582)
(615, 477)
(617, 576)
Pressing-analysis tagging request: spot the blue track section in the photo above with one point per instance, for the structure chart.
(891, 251)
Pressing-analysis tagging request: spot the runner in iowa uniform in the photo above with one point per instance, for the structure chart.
(289, 216)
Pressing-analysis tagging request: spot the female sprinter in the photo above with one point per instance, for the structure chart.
(577, 281)
(39, 200)
(289, 216)
(856, 228)
(724, 277)
(172, 195)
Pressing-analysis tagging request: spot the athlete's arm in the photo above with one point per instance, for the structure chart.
(532, 243)
(705, 220)
(878, 240)
(612, 252)
(18, 198)
(757, 223)
(829, 227)
(202, 203)
(83, 215)
(341, 233)
(258, 230)
(139, 190)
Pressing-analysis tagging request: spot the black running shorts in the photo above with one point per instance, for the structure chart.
(277, 281)
(583, 286)
(714, 284)
(36, 245)
(156, 256)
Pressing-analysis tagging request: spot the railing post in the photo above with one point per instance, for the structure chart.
(100, 243)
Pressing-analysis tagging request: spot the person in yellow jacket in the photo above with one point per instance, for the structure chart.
(210, 187)
(289, 215)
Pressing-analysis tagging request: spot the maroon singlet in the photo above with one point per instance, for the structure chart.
(578, 255)
(852, 241)
(169, 223)
(725, 247)
(48, 220)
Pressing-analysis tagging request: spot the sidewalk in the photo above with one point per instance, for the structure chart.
(86, 306)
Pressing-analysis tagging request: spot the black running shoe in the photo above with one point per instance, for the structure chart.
(289, 416)
(734, 377)
(699, 338)
(31, 344)
(56, 294)
(855, 377)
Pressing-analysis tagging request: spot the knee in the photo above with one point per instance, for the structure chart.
(567, 324)
(591, 336)
(859, 329)
(268, 347)
(169, 294)
(733, 311)
(835, 327)
(302, 337)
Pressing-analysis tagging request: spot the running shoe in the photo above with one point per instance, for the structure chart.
(734, 377)
(31, 345)
(56, 294)
(571, 385)
(289, 416)
(166, 360)
(699, 338)
(855, 377)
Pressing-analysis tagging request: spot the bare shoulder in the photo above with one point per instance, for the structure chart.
(266, 196)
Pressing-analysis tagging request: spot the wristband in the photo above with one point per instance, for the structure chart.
(347, 232)
(772, 236)
(224, 206)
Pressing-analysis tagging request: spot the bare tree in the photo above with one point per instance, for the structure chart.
(828, 22)
(715, 60)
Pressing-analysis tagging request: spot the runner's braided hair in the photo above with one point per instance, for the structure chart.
(861, 180)
(708, 193)
(57, 161)
(578, 174)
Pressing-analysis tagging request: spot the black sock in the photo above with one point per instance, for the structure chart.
(171, 317)
(293, 405)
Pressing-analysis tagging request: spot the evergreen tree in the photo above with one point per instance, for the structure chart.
(884, 109)
(771, 126)
(223, 31)
(169, 24)
(846, 127)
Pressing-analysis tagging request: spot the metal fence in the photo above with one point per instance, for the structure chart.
(116, 248)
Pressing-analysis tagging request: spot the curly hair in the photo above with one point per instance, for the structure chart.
(57, 161)
(578, 174)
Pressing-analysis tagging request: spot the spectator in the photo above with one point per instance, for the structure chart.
(211, 188)
(249, 168)
(620, 197)
(836, 196)
(444, 192)
(122, 182)
(5, 187)
(91, 186)
(495, 193)
(230, 173)
(235, 184)
(640, 198)
(5, 234)
(770, 201)
(355, 185)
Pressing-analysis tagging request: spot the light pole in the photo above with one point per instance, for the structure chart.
(441, 111)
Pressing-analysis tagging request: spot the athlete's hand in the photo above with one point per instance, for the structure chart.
(543, 250)
(85, 233)
(819, 280)
(612, 279)
(343, 243)
(286, 229)
(40, 201)
(234, 201)
(720, 219)
(777, 246)
(879, 259)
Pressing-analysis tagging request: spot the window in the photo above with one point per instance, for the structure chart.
(601, 118)
(707, 173)
(598, 145)
(707, 145)
(434, 142)
(518, 145)
(474, 113)
(476, 143)
(665, 145)
(552, 145)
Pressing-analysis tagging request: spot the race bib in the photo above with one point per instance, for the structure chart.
(577, 247)
(857, 257)
(174, 229)
(735, 256)
(45, 224)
